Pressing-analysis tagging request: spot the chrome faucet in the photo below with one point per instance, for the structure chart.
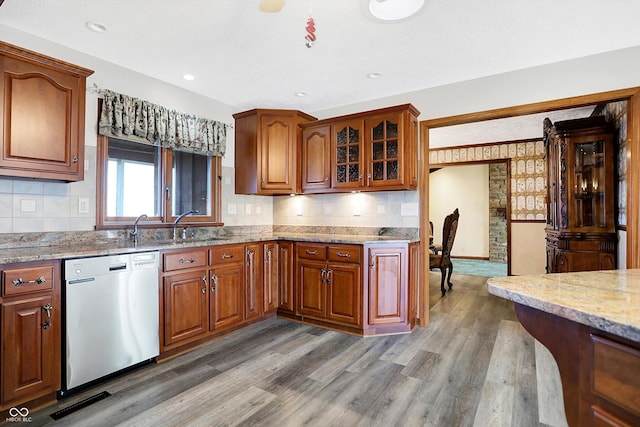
(133, 234)
(175, 224)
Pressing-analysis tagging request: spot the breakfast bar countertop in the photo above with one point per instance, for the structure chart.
(606, 300)
(83, 249)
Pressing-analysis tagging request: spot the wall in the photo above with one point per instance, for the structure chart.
(466, 188)
(580, 76)
(498, 212)
(57, 203)
(528, 248)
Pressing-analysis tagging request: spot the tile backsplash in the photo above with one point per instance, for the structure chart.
(35, 206)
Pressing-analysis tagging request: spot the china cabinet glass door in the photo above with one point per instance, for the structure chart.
(589, 189)
(347, 152)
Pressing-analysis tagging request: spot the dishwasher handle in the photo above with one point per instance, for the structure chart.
(117, 267)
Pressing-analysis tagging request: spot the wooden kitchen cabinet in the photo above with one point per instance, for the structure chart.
(267, 151)
(286, 278)
(185, 299)
(254, 281)
(316, 164)
(368, 151)
(42, 120)
(30, 324)
(580, 229)
(329, 284)
(185, 306)
(227, 291)
(270, 276)
(391, 305)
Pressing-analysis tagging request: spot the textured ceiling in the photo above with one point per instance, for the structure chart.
(248, 59)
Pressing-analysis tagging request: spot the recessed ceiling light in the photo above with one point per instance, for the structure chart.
(374, 75)
(188, 77)
(393, 10)
(98, 27)
(301, 94)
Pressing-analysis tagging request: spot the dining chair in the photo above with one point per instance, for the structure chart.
(442, 260)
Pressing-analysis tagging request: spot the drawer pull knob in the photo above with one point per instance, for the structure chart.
(20, 282)
(190, 261)
(47, 323)
(308, 252)
(344, 254)
(225, 256)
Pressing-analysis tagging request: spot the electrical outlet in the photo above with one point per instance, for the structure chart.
(357, 211)
(299, 209)
(83, 205)
(232, 209)
(247, 209)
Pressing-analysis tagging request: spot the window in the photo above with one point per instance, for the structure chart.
(134, 178)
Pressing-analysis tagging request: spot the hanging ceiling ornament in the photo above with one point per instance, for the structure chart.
(311, 30)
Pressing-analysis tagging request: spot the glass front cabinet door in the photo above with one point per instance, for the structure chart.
(581, 229)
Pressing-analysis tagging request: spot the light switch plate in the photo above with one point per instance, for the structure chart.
(83, 205)
(27, 205)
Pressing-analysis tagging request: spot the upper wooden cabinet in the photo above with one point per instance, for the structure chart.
(266, 151)
(42, 120)
(581, 232)
(368, 151)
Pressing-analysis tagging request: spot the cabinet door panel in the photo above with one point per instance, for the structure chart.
(253, 281)
(347, 154)
(311, 292)
(227, 295)
(315, 158)
(30, 352)
(387, 295)
(278, 154)
(343, 293)
(185, 306)
(286, 296)
(270, 276)
(385, 150)
(43, 122)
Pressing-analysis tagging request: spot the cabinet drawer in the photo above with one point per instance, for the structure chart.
(187, 259)
(17, 281)
(311, 251)
(227, 254)
(344, 253)
(612, 364)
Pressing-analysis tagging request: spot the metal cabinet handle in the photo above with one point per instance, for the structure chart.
(329, 274)
(323, 275)
(344, 254)
(214, 280)
(225, 256)
(326, 178)
(267, 256)
(74, 159)
(204, 287)
(19, 282)
(47, 323)
(308, 252)
(190, 261)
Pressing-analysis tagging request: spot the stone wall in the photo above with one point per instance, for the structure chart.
(498, 212)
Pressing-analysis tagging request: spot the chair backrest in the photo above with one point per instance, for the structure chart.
(449, 232)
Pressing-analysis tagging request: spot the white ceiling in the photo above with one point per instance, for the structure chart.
(247, 59)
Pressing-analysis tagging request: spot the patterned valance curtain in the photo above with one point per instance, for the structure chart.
(123, 116)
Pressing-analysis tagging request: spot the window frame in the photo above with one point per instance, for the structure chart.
(167, 217)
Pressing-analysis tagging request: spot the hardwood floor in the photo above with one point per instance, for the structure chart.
(473, 366)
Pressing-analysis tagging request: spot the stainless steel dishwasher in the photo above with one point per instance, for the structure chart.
(111, 306)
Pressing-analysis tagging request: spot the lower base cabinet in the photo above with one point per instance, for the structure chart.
(30, 324)
(336, 289)
(209, 290)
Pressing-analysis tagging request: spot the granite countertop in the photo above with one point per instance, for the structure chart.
(38, 253)
(606, 300)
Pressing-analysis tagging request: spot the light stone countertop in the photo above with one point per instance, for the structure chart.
(606, 300)
(83, 249)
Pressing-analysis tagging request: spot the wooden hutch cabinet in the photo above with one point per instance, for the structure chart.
(581, 234)
(41, 116)
(266, 151)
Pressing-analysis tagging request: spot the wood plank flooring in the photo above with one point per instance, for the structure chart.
(474, 365)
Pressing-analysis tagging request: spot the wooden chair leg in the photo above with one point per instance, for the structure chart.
(450, 268)
(443, 273)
